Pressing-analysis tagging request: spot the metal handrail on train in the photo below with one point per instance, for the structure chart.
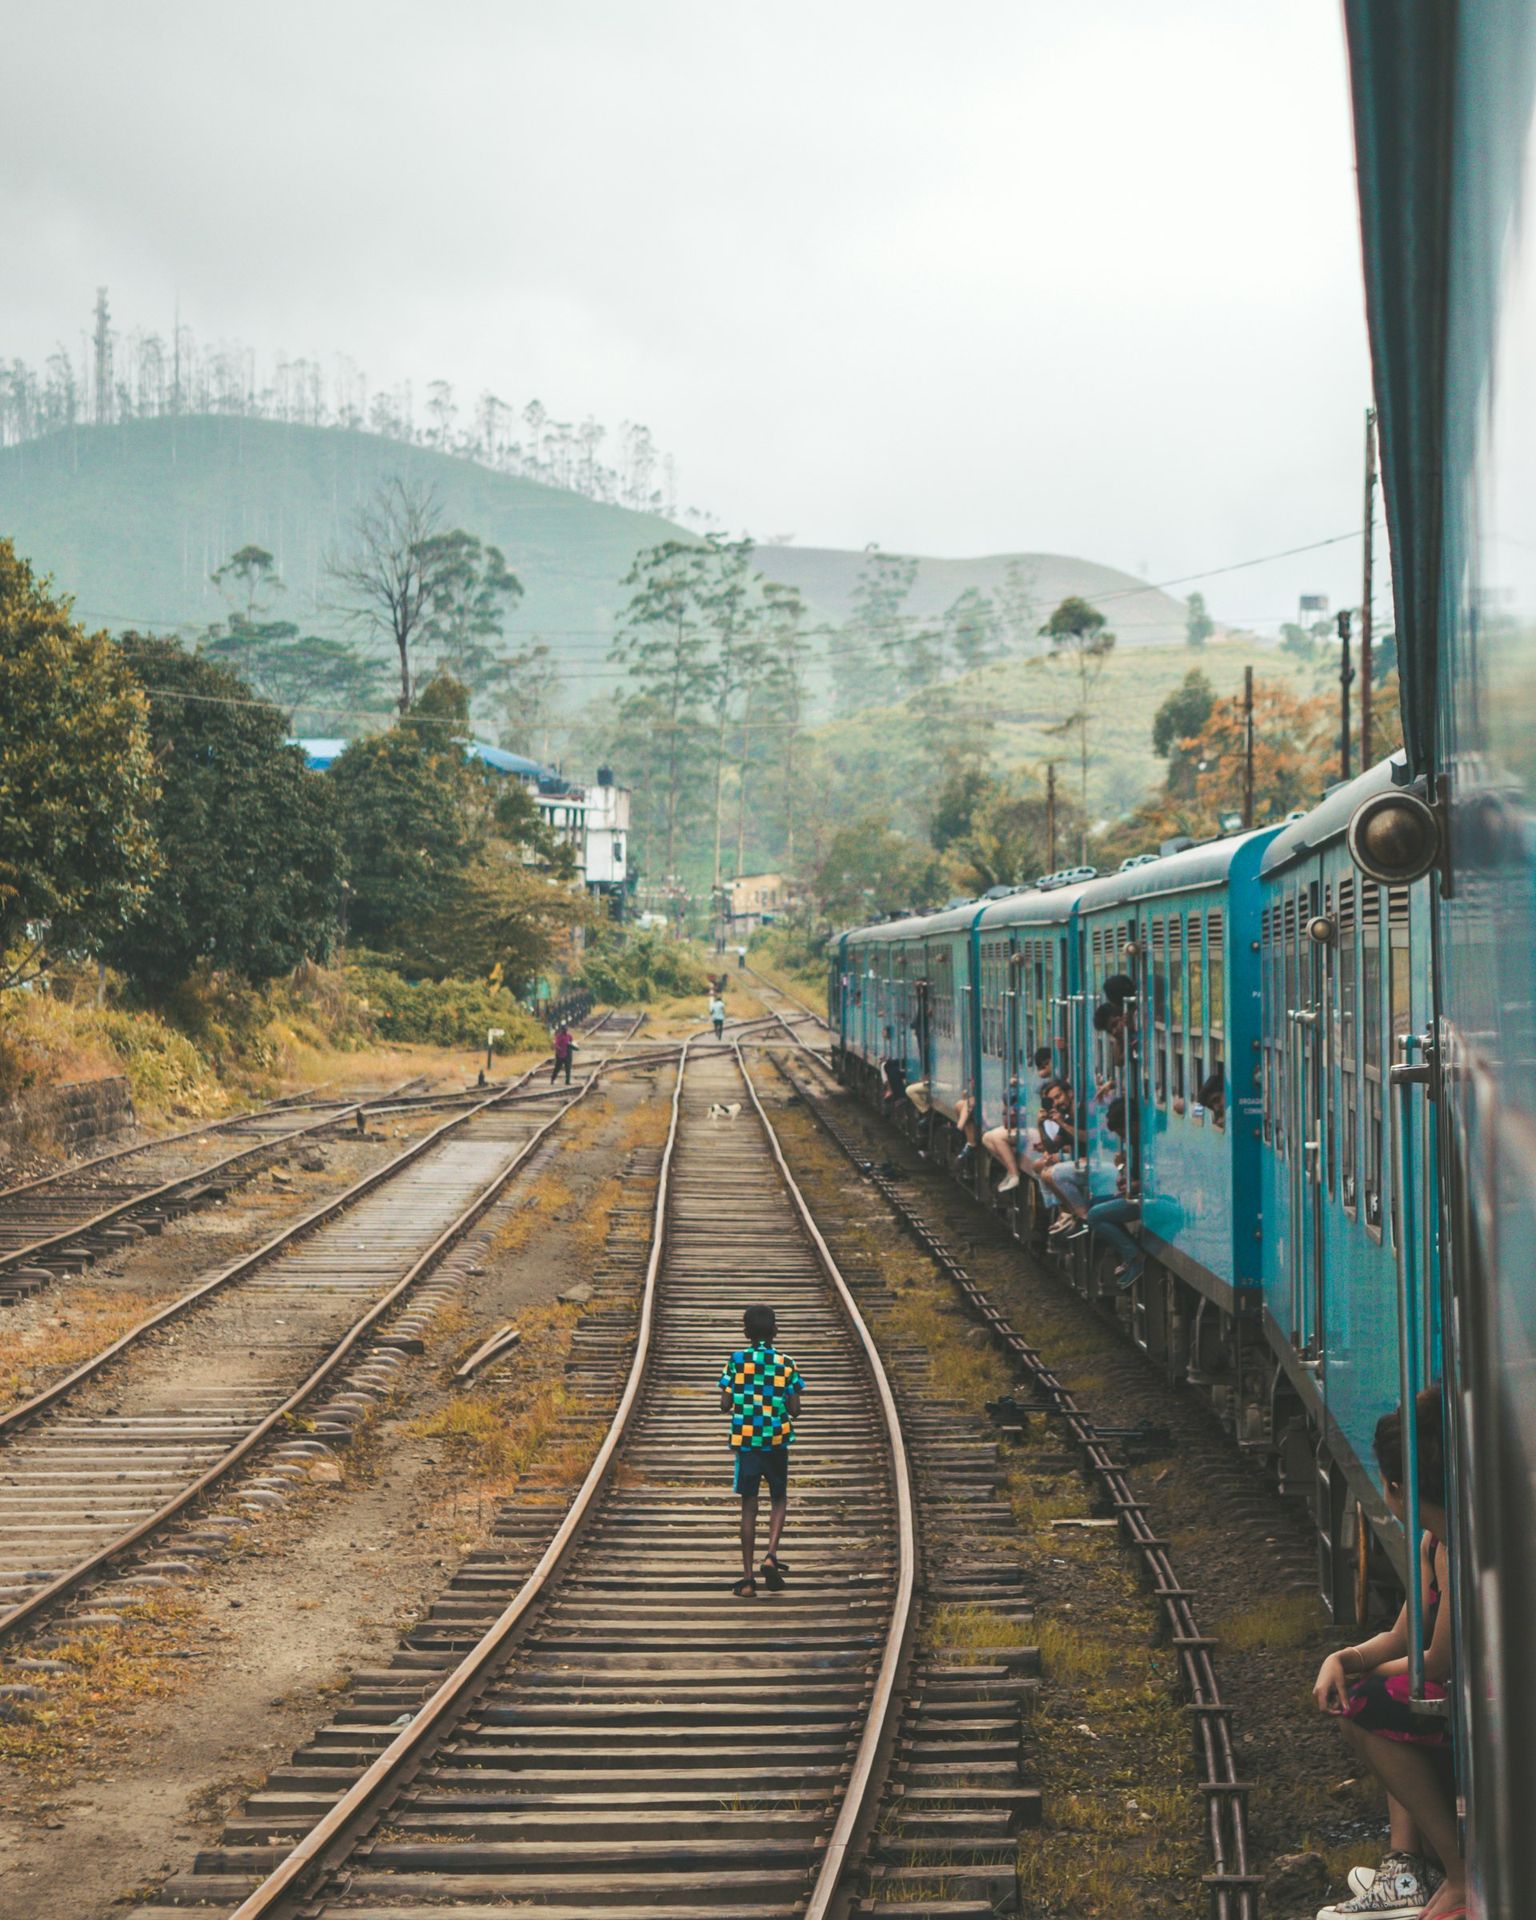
(1401, 1076)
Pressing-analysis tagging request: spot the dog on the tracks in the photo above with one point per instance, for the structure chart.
(726, 1110)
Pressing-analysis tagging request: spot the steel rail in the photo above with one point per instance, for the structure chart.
(36, 1252)
(1232, 1885)
(97, 1562)
(860, 1796)
(333, 1837)
(329, 1845)
(14, 1417)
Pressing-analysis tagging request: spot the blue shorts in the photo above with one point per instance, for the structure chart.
(762, 1463)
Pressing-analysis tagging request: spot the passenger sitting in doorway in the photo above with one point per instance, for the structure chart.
(892, 1071)
(1070, 1182)
(965, 1120)
(1063, 1142)
(1109, 1218)
(998, 1141)
(1367, 1688)
(1213, 1097)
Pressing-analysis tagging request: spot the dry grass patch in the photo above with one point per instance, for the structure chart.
(92, 1319)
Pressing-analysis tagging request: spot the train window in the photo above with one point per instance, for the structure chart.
(1266, 1021)
(1346, 977)
(1371, 1033)
(1159, 1013)
(1176, 1019)
(1196, 1004)
(1400, 977)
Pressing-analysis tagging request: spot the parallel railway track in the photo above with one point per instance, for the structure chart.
(620, 1735)
(95, 1466)
(58, 1223)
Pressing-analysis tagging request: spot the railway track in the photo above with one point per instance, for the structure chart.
(94, 1467)
(59, 1223)
(588, 1722)
(1232, 1885)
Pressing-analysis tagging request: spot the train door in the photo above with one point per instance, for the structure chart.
(1304, 1086)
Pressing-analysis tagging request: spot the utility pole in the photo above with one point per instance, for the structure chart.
(1247, 747)
(1366, 664)
(1346, 674)
(1050, 816)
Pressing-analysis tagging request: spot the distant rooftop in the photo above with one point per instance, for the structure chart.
(321, 754)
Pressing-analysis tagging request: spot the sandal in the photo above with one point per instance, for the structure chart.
(773, 1575)
(745, 1588)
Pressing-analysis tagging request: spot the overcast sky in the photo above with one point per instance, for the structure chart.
(997, 275)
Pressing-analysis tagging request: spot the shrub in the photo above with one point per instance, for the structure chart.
(642, 967)
(442, 1013)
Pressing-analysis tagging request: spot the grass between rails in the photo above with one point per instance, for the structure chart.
(1110, 1741)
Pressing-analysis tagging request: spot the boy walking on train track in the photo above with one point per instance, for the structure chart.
(760, 1389)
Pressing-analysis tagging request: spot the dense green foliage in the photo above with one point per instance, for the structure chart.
(442, 1013)
(77, 780)
(449, 867)
(250, 875)
(619, 970)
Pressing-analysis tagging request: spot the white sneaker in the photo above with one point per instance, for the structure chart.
(1362, 1879)
(1007, 1185)
(1399, 1890)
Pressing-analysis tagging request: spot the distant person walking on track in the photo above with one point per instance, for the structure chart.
(717, 1014)
(760, 1389)
(565, 1046)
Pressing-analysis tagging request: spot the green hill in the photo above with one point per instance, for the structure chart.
(1140, 615)
(132, 519)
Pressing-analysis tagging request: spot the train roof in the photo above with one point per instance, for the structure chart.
(904, 928)
(1207, 865)
(1036, 907)
(1328, 819)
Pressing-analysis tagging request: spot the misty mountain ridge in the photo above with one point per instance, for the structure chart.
(132, 519)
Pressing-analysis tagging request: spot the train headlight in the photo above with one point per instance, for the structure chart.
(1394, 838)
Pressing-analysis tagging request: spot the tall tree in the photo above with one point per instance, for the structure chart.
(530, 699)
(728, 605)
(1079, 637)
(972, 630)
(1180, 717)
(875, 629)
(666, 652)
(1018, 604)
(868, 868)
(780, 710)
(1199, 626)
(318, 681)
(396, 570)
(474, 591)
(78, 783)
(251, 875)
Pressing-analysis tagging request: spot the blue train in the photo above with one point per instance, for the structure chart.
(1362, 1216)
(1273, 1216)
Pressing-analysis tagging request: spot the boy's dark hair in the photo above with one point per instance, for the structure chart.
(1114, 1116)
(1212, 1089)
(1120, 986)
(1043, 1059)
(1106, 1014)
(759, 1323)
(1429, 1425)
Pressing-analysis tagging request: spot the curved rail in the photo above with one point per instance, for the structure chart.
(1232, 1884)
(858, 1805)
(333, 1837)
(332, 1842)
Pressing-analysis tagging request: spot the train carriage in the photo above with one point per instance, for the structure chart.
(1184, 928)
(1344, 966)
